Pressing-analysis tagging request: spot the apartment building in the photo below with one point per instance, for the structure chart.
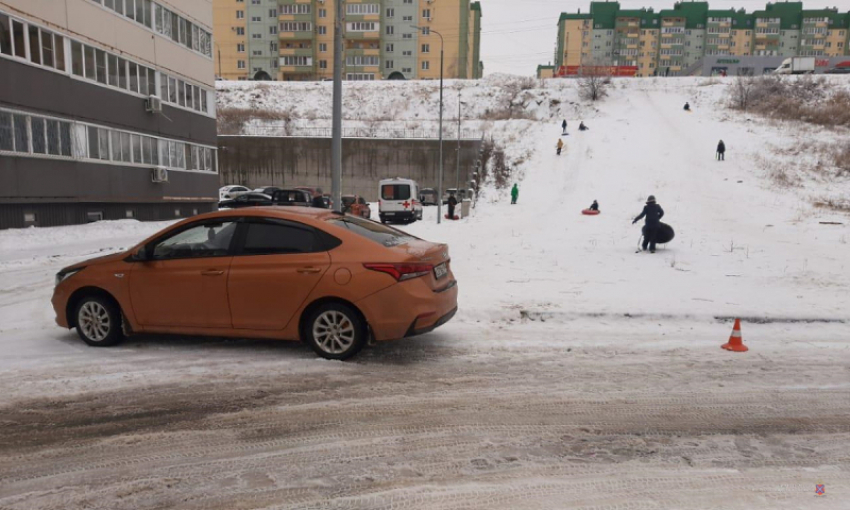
(107, 110)
(380, 41)
(674, 41)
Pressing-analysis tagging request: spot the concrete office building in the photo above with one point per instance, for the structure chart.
(379, 41)
(107, 110)
(675, 41)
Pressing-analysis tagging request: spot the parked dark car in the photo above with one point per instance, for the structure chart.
(356, 205)
(428, 196)
(292, 197)
(268, 190)
(839, 69)
(251, 199)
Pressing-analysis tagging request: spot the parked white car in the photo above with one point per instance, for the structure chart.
(230, 192)
(399, 201)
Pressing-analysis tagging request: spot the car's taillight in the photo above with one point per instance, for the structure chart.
(401, 272)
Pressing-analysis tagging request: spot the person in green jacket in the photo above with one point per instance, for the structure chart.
(514, 194)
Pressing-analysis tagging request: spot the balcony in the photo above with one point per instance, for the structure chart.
(296, 52)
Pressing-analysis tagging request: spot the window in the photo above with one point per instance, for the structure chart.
(323, 13)
(388, 64)
(274, 237)
(360, 76)
(426, 30)
(407, 36)
(296, 9)
(240, 30)
(257, 53)
(323, 64)
(240, 14)
(390, 48)
(390, 29)
(323, 47)
(211, 239)
(361, 9)
(5, 35)
(273, 30)
(18, 39)
(426, 65)
(383, 235)
(293, 26)
(272, 13)
(426, 48)
(256, 36)
(297, 61)
(256, 19)
(390, 13)
(426, 13)
(323, 30)
(240, 48)
(359, 61)
(361, 26)
(240, 64)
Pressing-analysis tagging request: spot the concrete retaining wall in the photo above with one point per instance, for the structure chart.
(287, 162)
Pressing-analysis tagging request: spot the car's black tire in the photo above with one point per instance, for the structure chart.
(98, 321)
(335, 331)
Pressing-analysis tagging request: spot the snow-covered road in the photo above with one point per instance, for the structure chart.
(578, 374)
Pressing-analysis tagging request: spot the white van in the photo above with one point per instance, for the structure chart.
(399, 201)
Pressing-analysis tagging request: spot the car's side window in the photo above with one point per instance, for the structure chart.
(271, 237)
(205, 240)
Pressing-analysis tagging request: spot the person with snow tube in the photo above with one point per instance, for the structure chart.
(560, 146)
(594, 206)
(653, 214)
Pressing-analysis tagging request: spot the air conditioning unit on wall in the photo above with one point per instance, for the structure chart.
(153, 104)
(159, 174)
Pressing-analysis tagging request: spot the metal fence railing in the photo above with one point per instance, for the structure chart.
(285, 130)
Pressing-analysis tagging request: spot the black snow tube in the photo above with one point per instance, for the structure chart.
(663, 234)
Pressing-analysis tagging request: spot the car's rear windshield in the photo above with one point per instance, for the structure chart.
(381, 234)
(347, 200)
(395, 191)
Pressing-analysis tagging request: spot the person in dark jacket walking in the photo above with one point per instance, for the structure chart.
(318, 199)
(653, 214)
(721, 151)
(452, 204)
(564, 126)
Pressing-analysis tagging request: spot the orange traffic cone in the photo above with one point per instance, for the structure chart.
(736, 343)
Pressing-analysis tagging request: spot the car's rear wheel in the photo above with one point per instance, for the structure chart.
(98, 321)
(336, 331)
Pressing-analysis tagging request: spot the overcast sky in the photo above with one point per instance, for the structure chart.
(517, 35)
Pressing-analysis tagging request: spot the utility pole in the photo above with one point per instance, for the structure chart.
(440, 175)
(457, 170)
(336, 142)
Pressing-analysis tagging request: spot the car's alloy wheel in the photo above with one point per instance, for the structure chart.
(336, 332)
(98, 321)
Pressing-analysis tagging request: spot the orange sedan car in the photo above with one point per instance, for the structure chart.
(294, 273)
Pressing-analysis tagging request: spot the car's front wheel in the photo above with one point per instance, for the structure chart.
(98, 321)
(336, 331)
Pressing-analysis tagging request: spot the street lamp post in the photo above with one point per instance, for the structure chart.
(457, 169)
(440, 175)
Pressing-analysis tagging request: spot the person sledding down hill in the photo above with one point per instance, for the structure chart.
(653, 214)
(560, 146)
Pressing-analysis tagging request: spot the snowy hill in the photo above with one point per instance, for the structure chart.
(745, 245)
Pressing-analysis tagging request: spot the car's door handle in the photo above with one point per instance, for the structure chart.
(309, 270)
(212, 272)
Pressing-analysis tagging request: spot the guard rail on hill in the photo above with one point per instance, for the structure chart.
(358, 132)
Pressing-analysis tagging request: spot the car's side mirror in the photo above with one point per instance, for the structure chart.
(140, 255)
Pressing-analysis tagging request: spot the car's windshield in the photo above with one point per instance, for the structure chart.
(381, 234)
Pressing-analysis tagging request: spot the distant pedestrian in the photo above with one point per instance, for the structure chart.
(687, 106)
(514, 194)
(653, 214)
(582, 127)
(594, 206)
(318, 199)
(560, 146)
(564, 126)
(721, 151)
(452, 204)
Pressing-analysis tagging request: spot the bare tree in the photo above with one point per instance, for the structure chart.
(593, 80)
(742, 89)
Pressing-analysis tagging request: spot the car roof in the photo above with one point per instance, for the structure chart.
(285, 213)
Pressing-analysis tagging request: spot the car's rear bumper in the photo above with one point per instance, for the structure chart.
(409, 308)
(398, 215)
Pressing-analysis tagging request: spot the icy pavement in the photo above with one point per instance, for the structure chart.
(578, 374)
